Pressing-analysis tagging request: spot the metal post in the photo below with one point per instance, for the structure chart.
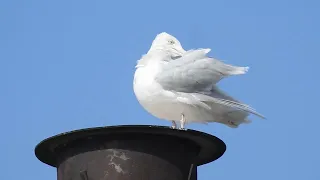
(129, 153)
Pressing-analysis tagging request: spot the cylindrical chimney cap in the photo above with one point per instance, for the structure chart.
(129, 152)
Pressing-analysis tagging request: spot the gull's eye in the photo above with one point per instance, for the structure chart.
(171, 42)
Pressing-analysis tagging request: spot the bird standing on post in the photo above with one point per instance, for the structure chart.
(180, 86)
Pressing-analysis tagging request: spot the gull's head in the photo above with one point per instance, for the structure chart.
(167, 42)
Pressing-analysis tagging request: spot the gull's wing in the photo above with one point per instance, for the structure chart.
(195, 75)
(194, 71)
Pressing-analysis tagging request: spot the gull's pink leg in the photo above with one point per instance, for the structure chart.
(174, 125)
(182, 121)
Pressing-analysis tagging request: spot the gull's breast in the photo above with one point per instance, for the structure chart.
(150, 94)
(161, 103)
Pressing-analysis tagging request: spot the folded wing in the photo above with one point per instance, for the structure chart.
(197, 74)
(194, 71)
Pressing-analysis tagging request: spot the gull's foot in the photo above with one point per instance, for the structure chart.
(174, 125)
(182, 122)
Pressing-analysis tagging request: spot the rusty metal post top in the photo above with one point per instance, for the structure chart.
(211, 147)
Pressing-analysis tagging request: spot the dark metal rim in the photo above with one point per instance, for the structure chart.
(212, 147)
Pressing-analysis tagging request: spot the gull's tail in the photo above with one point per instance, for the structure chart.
(231, 112)
(234, 118)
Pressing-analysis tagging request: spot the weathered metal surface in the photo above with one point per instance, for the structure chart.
(140, 158)
(129, 153)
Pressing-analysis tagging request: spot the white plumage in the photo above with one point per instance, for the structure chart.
(180, 86)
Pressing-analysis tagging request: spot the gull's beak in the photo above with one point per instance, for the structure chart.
(179, 51)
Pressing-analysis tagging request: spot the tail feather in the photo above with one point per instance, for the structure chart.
(234, 119)
(219, 97)
(237, 106)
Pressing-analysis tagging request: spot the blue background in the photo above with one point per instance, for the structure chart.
(66, 65)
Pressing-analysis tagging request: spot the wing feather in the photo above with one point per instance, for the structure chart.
(196, 74)
(194, 71)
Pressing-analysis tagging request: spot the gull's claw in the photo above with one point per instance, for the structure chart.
(182, 121)
(174, 125)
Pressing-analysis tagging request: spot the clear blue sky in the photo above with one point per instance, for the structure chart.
(66, 65)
